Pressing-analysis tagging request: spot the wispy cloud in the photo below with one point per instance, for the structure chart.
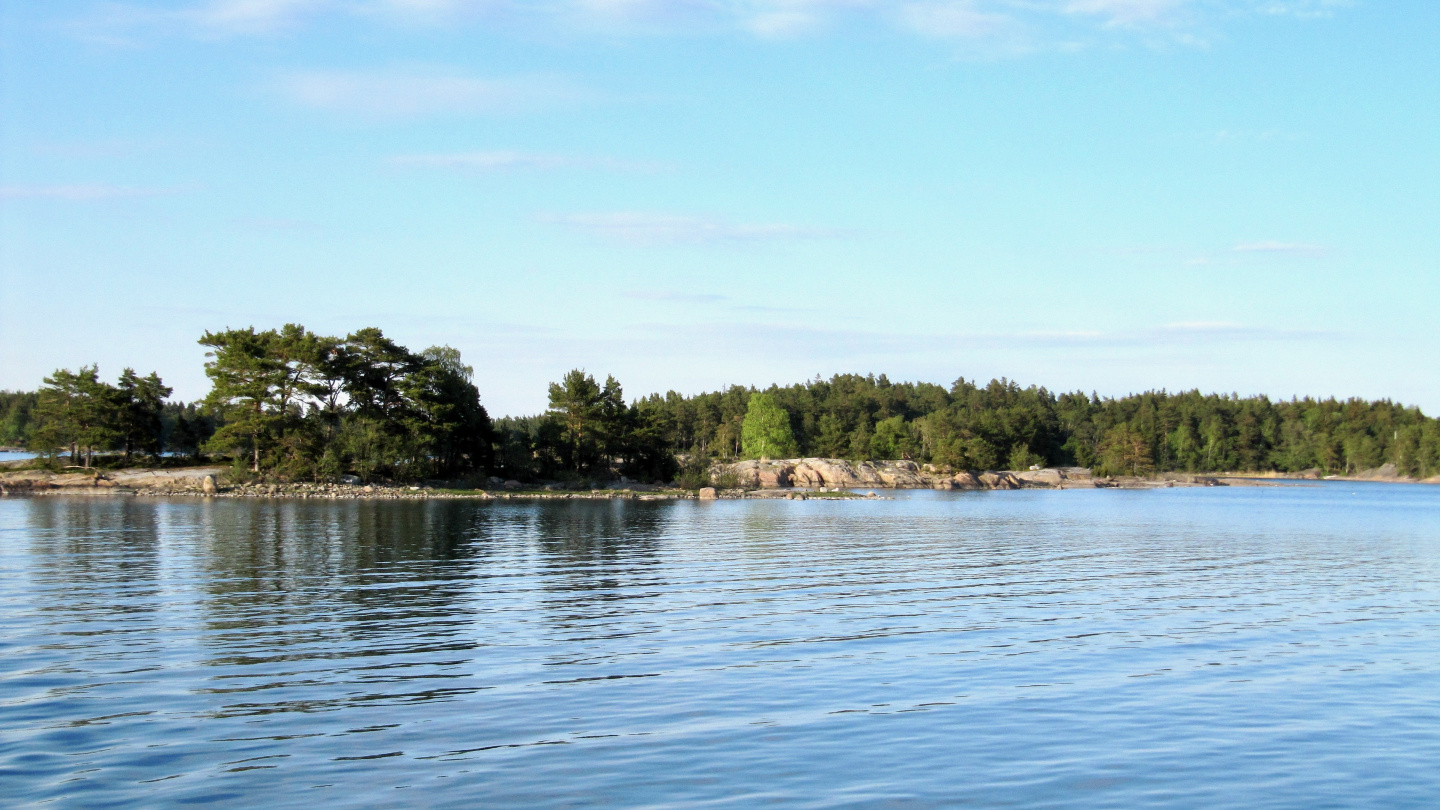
(85, 192)
(952, 19)
(1060, 22)
(251, 16)
(640, 228)
(1288, 248)
(410, 93)
(504, 159)
(1119, 13)
(1304, 8)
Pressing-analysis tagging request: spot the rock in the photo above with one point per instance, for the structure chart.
(708, 494)
(207, 485)
(999, 480)
(964, 480)
(901, 474)
(350, 480)
(1048, 477)
(1384, 472)
(832, 472)
(511, 484)
(774, 477)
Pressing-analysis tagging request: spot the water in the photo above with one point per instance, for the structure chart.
(1189, 648)
(10, 455)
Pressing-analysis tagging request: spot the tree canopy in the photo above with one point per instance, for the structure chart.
(295, 404)
(765, 431)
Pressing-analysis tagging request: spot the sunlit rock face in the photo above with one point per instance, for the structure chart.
(898, 474)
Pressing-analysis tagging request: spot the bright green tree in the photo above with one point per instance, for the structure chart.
(766, 432)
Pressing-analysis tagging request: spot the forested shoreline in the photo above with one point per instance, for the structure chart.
(292, 405)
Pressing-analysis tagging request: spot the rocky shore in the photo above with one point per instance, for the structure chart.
(833, 472)
(796, 479)
(210, 482)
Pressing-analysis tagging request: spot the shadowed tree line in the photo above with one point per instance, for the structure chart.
(292, 404)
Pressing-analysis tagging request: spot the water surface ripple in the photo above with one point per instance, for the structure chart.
(1189, 648)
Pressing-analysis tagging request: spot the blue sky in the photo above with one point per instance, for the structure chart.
(1114, 195)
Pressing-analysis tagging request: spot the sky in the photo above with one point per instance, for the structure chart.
(1101, 195)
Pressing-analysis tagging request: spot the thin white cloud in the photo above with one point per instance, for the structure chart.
(642, 228)
(252, 16)
(85, 192)
(1290, 248)
(404, 94)
(1065, 24)
(505, 159)
(1127, 13)
(1304, 8)
(951, 19)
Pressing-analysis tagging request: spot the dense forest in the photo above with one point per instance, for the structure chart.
(1002, 425)
(291, 404)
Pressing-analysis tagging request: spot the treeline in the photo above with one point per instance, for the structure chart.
(1002, 425)
(81, 412)
(293, 404)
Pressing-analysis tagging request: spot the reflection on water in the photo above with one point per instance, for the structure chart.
(1191, 647)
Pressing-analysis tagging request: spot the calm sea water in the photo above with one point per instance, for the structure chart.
(1188, 648)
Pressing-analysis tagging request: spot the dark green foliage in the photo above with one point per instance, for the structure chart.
(301, 405)
(17, 417)
(1004, 425)
(293, 404)
(82, 414)
(140, 402)
(186, 428)
(589, 432)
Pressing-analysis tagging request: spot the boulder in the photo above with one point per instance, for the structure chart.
(868, 475)
(804, 475)
(708, 494)
(774, 476)
(208, 486)
(833, 472)
(1048, 477)
(999, 480)
(964, 480)
(1384, 472)
(904, 474)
